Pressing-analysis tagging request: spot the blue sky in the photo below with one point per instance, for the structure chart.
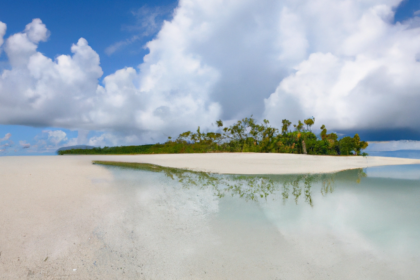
(209, 62)
(406, 10)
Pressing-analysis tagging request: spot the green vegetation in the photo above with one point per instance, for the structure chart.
(143, 149)
(250, 187)
(247, 136)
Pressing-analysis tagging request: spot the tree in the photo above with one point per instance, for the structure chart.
(248, 136)
(299, 126)
(285, 127)
(184, 136)
(347, 145)
(359, 145)
(309, 122)
(323, 132)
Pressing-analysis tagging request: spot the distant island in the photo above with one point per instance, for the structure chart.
(245, 136)
(75, 147)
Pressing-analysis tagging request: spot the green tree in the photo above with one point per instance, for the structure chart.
(347, 145)
(285, 126)
(323, 132)
(299, 126)
(309, 123)
(359, 145)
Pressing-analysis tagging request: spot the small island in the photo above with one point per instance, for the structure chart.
(246, 136)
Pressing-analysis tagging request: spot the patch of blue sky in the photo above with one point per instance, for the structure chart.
(406, 10)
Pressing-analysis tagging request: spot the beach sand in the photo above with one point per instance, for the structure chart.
(258, 163)
(61, 217)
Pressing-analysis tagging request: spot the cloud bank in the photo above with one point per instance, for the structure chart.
(344, 62)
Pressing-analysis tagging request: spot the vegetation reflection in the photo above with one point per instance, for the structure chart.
(250, 187)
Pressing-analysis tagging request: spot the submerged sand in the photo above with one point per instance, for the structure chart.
(65, 218)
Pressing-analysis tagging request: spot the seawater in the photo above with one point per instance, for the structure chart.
(367, 220)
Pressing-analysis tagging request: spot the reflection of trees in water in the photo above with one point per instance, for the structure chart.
(251, 187)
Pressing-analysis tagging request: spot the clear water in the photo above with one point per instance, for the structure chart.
(356, 224)
(399, 153)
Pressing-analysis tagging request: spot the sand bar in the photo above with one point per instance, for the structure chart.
(258, 163)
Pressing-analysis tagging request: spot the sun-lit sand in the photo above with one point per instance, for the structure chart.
(61, 217)
(258, 163)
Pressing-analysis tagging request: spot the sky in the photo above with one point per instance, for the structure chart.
(127, 72)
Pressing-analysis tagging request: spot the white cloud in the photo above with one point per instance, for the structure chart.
(105, 139)
(56, 136)
(6, 137)
(366, 80)
(148, 22)
(40, 91)
(48, 141)
(24, 144)
(149, 19)
(65, 92)
(343, 62)
(3, 28)
(381, 146)
(119, 45)
(37, 31)
(6, 143)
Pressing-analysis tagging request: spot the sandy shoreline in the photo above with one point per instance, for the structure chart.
(257, 163)
(61, 217)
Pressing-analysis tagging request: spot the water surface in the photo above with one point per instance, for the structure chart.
(356, 224)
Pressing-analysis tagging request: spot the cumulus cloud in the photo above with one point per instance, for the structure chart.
(36, 31)
(56, 136)
(344, 62)
(40, 91)
(66, 93)
(367, 79)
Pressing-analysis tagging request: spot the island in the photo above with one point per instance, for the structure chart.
(244, 136)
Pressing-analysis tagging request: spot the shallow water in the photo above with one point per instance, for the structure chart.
(356, 224)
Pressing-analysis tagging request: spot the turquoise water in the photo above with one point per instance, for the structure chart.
(366, 220)
(399, 153)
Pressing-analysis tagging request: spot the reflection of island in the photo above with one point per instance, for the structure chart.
(249, 187)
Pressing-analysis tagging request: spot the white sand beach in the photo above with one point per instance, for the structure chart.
(61, 217)
(258, 163)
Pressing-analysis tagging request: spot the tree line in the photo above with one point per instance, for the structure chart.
(247, 135)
